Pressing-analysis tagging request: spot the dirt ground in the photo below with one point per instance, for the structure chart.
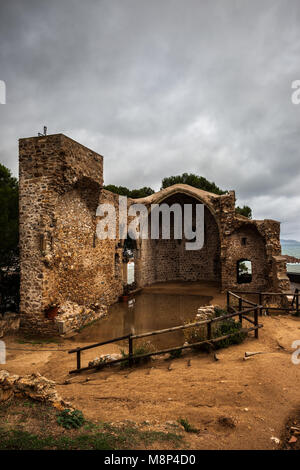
(259, 394)
(26, 424)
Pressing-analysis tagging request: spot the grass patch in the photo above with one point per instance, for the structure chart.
(39, 341)
(83, 327)
(187, 426)
(70, 419)
(30, 404)
(144, 348)
(25, 427)
(112, 439)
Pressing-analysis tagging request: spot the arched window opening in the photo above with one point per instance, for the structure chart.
(244, 271)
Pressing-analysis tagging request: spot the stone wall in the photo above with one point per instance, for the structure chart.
(72, 317)
(246, 243)
(9, 323)
(228, 238)
(62, 260)
(168, 260)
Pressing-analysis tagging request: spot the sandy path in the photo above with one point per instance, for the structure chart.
(267, 385)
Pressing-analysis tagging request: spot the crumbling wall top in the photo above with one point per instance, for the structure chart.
(59, 159)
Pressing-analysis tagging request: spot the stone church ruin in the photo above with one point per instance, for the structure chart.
(69, 276)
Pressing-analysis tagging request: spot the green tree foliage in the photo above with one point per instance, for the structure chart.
(9, 231)
(246, 211)
(186, 178)
(133, 193)
(193, 180)
(142, 192)
(202, 183)
(9, 239)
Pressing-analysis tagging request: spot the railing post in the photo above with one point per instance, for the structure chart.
(228, 300)
(130, 350)
(240, 309)
(209, 330)
(256, 322)
(260, 300)
(78, 359)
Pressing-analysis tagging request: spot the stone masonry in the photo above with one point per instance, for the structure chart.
(64, 263)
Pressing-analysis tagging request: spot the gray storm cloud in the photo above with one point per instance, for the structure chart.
(161, 88)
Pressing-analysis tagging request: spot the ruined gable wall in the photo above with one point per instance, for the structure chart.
(166, 260)
(254, 251)
(82, 264)
(262, 248)
(217, 260)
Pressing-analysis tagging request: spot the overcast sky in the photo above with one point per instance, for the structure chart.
(162, 87)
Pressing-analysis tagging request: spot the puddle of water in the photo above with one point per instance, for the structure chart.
(147, 312)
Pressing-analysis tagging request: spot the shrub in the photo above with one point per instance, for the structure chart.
(220, 312)
(195, 335)
(222, 328)
(175, 354)
(187, 426)
(228, 327)
(70, 419)
(9, 290)
(144, 348)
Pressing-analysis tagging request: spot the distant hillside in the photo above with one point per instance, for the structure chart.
(290, 242)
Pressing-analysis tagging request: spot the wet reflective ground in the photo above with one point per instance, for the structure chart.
(156, 307)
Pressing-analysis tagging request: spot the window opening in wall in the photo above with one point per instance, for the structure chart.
(130, 272)
(128, 257)
(244, 271)
(244, 241)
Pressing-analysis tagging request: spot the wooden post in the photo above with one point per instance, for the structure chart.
(228, 301)
(260, 300)
(130, 351)
(209, 330)
(240, 309)
(78, 359)
(256, 322)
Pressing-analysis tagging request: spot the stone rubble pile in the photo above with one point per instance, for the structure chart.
(206, 313)
(104, 359)
(72, 316)
(33, 386)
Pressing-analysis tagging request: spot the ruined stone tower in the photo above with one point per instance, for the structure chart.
(61, 259)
